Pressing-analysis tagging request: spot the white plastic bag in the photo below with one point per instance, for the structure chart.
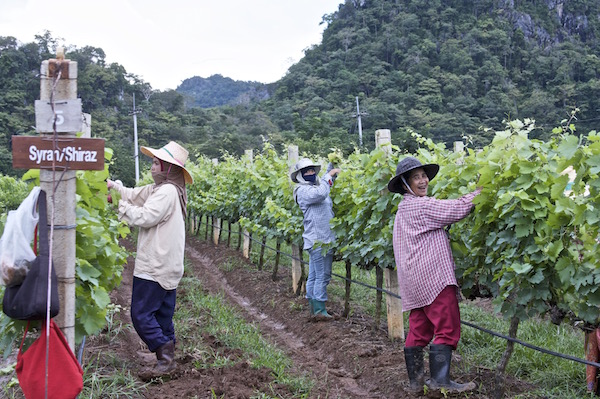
(16, 253)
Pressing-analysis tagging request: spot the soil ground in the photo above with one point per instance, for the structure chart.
(347, 357)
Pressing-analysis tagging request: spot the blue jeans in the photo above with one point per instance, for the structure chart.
(152, 309)
(319, 274)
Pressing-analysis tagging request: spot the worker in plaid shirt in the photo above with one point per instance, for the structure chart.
(426, 277)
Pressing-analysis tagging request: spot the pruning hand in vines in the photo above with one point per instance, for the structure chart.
(428, 284)
(158, 210)
(312, 195)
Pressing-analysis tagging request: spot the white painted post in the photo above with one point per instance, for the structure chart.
(296, 263)
(216, 221)
(249, 155)
(394, 305)
(61, 201)
(459, 147)
(86, 125)
(383, 137)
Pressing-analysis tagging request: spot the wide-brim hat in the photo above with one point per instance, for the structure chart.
(172, 153)
(304, 163)
(406, 165)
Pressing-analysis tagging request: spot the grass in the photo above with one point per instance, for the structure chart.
(200, 314)
(553, 376)
(109, 378)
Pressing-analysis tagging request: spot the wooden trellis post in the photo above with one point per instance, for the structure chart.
(459, 147)
(395, 321)
(216, 221)
(296, 262)
(58, 118)
(249, 154)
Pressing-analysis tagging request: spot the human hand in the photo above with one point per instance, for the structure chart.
(109, 184)
(334, 172)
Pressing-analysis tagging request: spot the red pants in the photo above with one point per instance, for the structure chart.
(441, 320)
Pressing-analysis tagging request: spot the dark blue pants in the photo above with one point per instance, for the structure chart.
(152, 309)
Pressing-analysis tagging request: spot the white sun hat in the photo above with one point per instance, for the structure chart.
(304, 163)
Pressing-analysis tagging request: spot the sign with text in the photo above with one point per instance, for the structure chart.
(67, 114)
(37, 152)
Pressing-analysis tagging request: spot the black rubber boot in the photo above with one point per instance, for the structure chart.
(165, 363)
(440, 357)
(165, 356)
(413, 356)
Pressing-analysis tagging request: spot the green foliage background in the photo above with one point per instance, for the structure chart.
(528, 244)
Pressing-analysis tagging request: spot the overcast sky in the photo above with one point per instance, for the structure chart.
(166, 42)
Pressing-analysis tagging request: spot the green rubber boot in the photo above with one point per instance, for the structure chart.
(311, 306)
(320, 311)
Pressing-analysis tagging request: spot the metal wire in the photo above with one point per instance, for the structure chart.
(469, 324)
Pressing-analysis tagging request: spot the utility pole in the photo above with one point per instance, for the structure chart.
(135, 141)
(358, 115)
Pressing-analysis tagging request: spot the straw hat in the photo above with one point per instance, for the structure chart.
(172, 153)
(304, 163)
(406, 165)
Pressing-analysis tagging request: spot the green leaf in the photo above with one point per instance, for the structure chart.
(554, 249)
(521, 268)
(569, 146)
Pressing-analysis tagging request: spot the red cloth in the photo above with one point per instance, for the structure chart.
(440, 319)
(422, 248)
(65, 376)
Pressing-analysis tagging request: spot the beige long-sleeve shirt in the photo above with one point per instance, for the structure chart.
(161, 238)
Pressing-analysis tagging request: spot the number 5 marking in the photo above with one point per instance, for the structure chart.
(59, 118)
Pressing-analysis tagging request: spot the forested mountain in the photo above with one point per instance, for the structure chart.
(216, 91)
(446, 69)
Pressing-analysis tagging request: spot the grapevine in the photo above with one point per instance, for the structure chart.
(527, 244)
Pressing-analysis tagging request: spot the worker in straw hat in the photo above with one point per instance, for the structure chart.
(426, 277)
(312, 195)
(159, 211)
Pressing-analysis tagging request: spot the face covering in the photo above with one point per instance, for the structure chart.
(173, 175)
(310, 178)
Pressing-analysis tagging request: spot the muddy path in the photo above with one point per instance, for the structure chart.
(347, 358)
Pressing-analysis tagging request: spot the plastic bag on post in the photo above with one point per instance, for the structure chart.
(16, 254)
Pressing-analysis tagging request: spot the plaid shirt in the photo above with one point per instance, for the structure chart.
(317, 207)
(422, 248)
